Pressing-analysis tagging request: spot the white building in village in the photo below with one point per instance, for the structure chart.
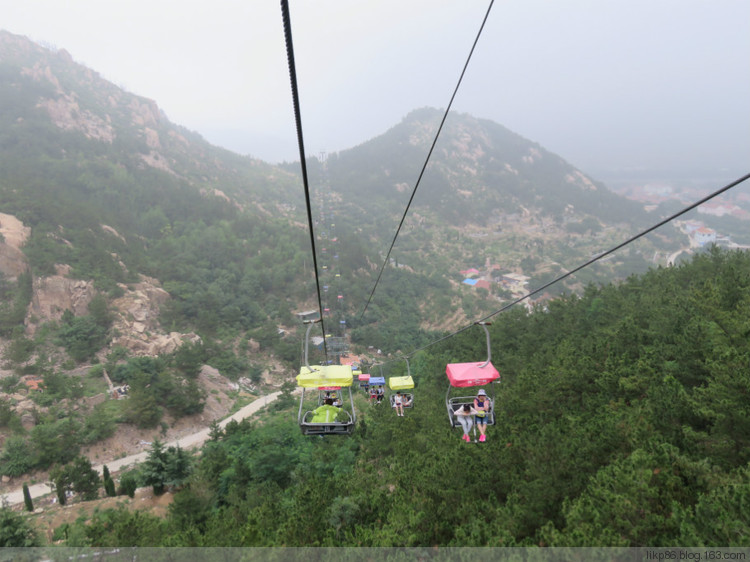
(704, 236)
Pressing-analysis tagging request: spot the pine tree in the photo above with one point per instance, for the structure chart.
(109, 487)
(27, 498)
(155, 468)
(60, 494)
(128, 485)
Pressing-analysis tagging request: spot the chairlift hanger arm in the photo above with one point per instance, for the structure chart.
(307, 339)
(489, 347)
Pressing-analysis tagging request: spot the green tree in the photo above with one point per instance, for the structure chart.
(154, 470)
(122, 528)
(17, 456)
(20, 349)
(128, 484)
(78, 477)
(109, 487)
(99, 312)
(142, 407)
(84, 478)
(60, 477)
(82, 336)
(191, 508)
(27, 498)
(6, 413)
(189, 358)
(720, 518)
(15, 531)
(184, 398)
(285, 399)
(99, 424)
(178, 466)
(55, 442)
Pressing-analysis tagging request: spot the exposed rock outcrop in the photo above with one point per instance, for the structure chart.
(137, 320)
(55, 294)
(14, 235)
(136, 312)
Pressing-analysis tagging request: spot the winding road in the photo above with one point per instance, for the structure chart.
(196, 439)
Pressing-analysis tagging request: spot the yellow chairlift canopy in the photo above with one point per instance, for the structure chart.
(325, 375)
(400, 383)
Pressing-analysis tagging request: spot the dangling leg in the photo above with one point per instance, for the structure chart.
(465, 422)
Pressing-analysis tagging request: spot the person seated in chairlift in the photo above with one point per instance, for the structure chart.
(398, 404)
(465, 416)
(482, 406)
(381, 394)
(326, 413)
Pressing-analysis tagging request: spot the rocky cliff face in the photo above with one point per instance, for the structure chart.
(137, 320)
(136, 312)
(55, 294)
(14, 235)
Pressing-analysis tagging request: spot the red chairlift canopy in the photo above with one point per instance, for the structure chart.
(471, 374)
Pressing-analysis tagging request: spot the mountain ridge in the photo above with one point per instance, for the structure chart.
(482, 182)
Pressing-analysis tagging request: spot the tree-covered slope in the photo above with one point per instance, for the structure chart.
(225, 234)
(478, 169)
(487, 197)
(78, 153)
(622, 419)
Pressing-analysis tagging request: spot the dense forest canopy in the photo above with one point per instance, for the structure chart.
(622, 420)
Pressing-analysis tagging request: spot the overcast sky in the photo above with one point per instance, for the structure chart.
(609, 85)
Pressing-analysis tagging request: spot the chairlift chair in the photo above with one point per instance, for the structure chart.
(333, 392)
(324, 378)
(463, 375)
(374, 383)
(400, 384)
(364, 381)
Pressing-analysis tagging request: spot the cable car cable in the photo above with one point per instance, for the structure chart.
(429, 154)
(301, 144)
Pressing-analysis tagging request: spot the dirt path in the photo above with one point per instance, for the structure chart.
(195, 440)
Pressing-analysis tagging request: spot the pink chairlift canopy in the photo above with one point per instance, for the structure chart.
(471, 374)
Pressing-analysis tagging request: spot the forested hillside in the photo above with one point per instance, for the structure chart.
(487, 196)
(622, 419)
(111, 190)
(621, 411)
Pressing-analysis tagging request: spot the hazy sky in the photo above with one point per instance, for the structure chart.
(606, 84)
